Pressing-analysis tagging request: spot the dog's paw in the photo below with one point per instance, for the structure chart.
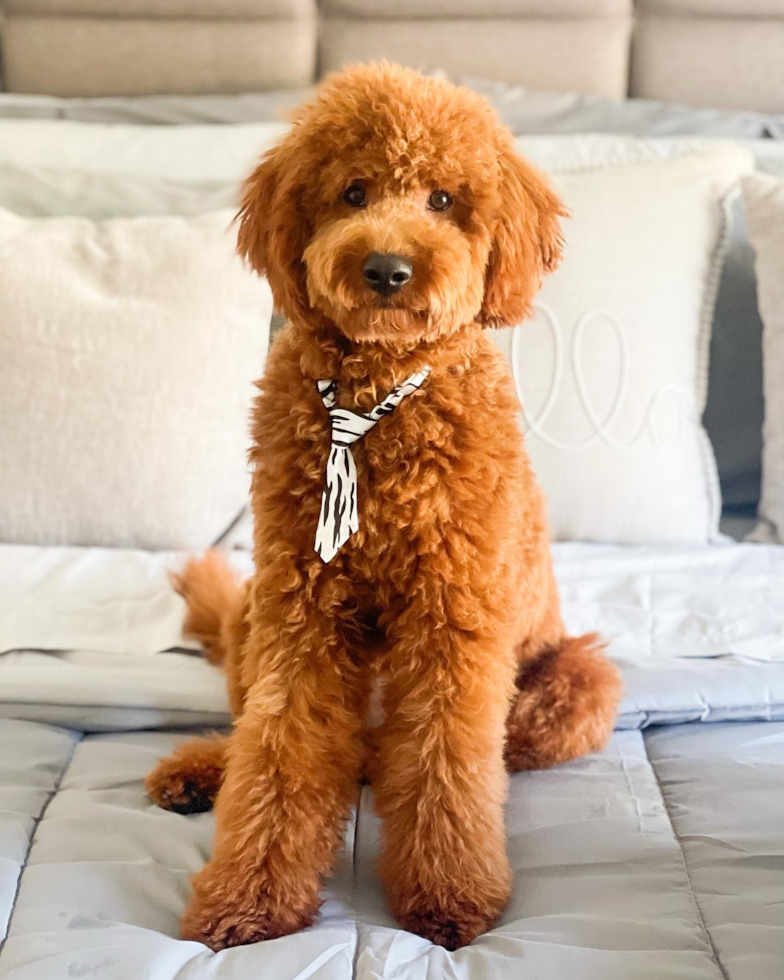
(220, 928)
(449, 924)
(173, 785)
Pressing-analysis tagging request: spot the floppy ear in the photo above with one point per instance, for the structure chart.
(527, 242)
(253, 216)
(274, 232)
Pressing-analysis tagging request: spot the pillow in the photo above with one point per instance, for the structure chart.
(524, 110)
(192, 154)
(734, 411)
(209, 155)
(272, 106)
(764, 199)
(613, 372)
(529, 111)
(42, 192)
(187, 154)
(128, 349)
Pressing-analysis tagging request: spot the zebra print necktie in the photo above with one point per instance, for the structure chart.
(338, 519)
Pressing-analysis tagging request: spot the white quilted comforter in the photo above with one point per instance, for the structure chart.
(663, 857)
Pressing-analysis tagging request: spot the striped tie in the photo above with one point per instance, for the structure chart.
(338, 519)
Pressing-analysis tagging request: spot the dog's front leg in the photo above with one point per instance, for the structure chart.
(440, 783)
(291, 777)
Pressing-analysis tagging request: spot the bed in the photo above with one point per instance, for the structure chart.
(661, 857)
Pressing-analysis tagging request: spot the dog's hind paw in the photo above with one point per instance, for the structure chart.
(451, 925)
(226, 911)
(237, 930)
(188, 780)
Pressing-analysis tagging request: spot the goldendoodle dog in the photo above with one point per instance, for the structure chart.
(401, 542)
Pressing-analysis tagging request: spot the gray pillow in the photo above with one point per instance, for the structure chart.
(562, 113)
(165, 109)
(735, 409)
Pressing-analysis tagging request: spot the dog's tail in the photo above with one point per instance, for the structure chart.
(213, 597)
(565, 705)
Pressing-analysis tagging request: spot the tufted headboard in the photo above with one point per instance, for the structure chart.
(724, 53)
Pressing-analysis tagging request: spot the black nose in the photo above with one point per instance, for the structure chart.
(386, 273)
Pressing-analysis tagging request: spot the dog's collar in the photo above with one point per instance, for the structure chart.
(339, 518)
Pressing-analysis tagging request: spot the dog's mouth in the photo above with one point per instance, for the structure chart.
(395, 314)
(392, 303)
(380, 320)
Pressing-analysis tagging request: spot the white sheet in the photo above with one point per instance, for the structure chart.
(93, 636)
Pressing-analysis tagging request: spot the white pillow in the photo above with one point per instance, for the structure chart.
(645, 243)
(764, 200)
(613, 371)
(128, 349)
(189, 154)
(46, 192)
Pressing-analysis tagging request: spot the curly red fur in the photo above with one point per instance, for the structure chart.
(188, 780)
(209, 590)
(447, 590)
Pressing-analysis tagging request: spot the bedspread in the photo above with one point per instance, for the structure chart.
(661, 857)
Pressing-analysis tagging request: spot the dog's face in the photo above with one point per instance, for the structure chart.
(398, 210)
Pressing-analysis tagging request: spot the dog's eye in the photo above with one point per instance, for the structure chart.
(439, 201)
(355, 195)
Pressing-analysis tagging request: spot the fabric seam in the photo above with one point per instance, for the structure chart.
(695, 903)
(36, 824)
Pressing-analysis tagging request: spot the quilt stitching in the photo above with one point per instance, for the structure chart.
(692, 894)
(36, 824)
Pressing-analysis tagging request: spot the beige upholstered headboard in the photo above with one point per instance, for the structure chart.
(708, 52)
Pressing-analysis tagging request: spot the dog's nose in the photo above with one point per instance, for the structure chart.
(386, 273)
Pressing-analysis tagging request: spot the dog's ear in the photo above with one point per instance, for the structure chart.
(273, 230)
(255, 213)
(527, 241)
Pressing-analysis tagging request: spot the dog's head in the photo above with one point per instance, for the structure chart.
(398, 210)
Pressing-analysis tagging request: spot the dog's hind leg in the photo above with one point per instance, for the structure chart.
(565, 706)
(188, 780)
(216, 606)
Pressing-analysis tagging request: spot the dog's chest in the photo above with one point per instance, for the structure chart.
(375, 713)
(395, 466)
(393, 457)
(419, 470)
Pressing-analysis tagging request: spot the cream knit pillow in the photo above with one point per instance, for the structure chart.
(613, 370)
(128, 349)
